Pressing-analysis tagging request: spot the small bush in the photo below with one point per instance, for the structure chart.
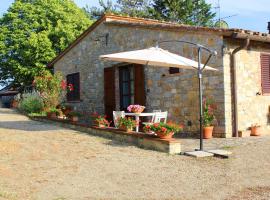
(31, 103)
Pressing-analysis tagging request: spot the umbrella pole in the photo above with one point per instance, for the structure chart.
(200, 98)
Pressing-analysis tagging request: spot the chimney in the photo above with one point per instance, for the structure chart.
(268, 27)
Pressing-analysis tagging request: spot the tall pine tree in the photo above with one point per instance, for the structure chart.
(192, 12)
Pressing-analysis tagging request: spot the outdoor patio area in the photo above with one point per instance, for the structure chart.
(57, 163)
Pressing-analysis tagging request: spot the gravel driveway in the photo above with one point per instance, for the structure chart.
(43, 162)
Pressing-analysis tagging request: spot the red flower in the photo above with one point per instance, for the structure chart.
(70, 87)
(156, 125)
(63, 84)
(163, 129)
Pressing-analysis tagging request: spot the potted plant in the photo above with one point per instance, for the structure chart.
(135, 108)
(255, 130)
(74, 116)
(163, 130)
(66, 109)
(126, 124)
(208, 118)
(53, 113)
(100, 120)
(15, 101)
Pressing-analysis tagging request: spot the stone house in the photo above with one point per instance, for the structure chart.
(240, 88)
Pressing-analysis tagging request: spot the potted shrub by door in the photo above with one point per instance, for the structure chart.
(74, 116)
(163, 130)
(208, 118)
(126, 124)
(100, 120)
(255, 130)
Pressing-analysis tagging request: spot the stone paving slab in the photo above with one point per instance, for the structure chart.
(199, 154)
(220, 152)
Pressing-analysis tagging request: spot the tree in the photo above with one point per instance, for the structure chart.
(192, 12)
(133, 8)
(105, 7)
(33, 32)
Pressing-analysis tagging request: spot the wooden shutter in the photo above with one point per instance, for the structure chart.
(174, 70)
(265, 73)
(76, 85)
(109, 91)
(74, 79)
(139, 86)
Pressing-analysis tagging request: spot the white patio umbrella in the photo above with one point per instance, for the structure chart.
(158, 57)
(154, 56)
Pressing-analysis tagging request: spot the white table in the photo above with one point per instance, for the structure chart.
(137, 117)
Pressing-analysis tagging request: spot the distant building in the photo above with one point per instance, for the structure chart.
(7, 95)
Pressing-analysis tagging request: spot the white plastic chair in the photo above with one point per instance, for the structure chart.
(116, 116)
(160, 117)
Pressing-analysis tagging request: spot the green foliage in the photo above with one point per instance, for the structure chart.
(55, 110)
(33, 32)
(192, 12)
(133, 8)
(163, 128)
(50, 88)
(100, 120)
(74, 114)
(208, 112)
(127, 122)
(31, 102)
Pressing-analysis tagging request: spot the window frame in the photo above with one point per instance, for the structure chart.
(76, 88)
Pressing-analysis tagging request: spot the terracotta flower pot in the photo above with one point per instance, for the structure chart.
(74, 118)
(126, 129)
(101, 125)
(208, 132)
(165, 136)
(255, 131)
(14, 104)
(137, 110)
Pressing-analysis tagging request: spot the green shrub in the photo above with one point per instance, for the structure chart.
(31, 102)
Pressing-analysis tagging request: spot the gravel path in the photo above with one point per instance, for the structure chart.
(43, 162)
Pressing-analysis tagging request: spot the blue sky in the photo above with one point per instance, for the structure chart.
(251, 14)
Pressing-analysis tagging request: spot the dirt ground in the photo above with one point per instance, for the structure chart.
(40, 161)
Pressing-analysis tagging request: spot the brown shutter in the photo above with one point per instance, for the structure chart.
(139, 89)
(76, 91)
(109, 91)
(265, 73)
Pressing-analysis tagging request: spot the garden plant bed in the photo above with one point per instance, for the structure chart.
(142, 140)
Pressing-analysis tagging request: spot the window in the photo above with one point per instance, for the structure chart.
(126, 84)
(74, 79)
(174, 70)
(265, 73)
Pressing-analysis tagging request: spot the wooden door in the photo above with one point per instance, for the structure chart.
(109, 91)
(139, 86)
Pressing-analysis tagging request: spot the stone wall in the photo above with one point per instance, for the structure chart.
(177, 93)
(252, 107)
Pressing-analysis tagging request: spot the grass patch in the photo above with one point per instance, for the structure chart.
(41, 114)
(227, 147)
(7, 195)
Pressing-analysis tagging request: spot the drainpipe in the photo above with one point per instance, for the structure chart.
(234, 84)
